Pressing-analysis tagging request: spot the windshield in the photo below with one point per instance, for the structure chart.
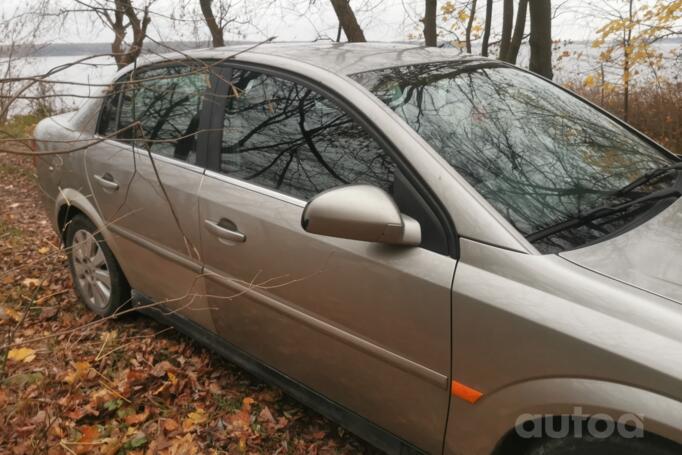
(539, 155)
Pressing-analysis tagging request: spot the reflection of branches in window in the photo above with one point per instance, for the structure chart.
(546, 140)
(309, 139)
(168, 104)
(318, 151)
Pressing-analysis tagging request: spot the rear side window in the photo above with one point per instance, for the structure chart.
(286, 137)
(159, 110)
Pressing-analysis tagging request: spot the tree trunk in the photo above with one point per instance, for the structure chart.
(124, 8)
(470, 26)
(213, 27)
(627, 41)
(348, 22)
(507, 22)
(519, 30)
(541, 38)
(119, 36)
(430, 33)
(486, 30)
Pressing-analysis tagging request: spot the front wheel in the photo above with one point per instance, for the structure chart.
(97, 277)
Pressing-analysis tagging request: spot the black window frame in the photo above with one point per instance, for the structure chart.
(417, 185)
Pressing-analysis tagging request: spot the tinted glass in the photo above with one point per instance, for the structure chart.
(536, 153)
(166, 102)
(283, 136)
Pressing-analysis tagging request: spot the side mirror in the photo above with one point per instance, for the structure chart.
(360, 212)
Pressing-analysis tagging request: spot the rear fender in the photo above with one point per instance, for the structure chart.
(70, 197)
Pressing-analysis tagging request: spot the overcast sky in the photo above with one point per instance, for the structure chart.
(383, 20)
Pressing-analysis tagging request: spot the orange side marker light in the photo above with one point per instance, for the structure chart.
(464, 392)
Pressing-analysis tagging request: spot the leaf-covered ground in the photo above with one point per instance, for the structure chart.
(71, 385)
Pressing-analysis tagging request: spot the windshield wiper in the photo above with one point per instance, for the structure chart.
(601, 212)
(646, 178)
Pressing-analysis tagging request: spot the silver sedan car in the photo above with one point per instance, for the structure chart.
(444, 254)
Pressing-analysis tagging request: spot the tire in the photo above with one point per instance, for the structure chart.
(615, 445)
(97, 277)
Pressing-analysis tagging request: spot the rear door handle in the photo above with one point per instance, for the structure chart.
(106, 181)
(225, 229)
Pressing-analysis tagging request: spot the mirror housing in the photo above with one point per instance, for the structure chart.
(360, 212)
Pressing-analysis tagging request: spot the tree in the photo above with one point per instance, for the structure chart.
(541, 38)
(348, 21)
(519, 30)
(430, 32)
(636, 29)
(507, 22)
(120, 18)
(215, 29)
(460, 20)
(488, 25)
(470, 26)
(20, 29)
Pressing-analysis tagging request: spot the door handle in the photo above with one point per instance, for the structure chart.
(106, 181)
(225, 229)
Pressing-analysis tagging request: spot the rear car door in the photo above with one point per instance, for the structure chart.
(145, 178)
(364, 324)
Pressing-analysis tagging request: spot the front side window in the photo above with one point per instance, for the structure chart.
(543, 158)
(283, 136)
(165, 103)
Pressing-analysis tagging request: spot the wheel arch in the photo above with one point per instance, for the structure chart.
(514, 444)
(70, 203)
(488, 426)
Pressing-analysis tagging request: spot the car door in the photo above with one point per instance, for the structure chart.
(145, 179)
(365, 324)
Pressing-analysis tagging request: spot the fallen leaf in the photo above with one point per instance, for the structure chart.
(43, 250)
(170, 425)
(161, 368)
(184, 446)
(81, 371)
(247, 402)
(136, 376)
(112, 447)
(266, 416)
(194, 418)
(48, 313)
(138, 440)
(89, 434)
(10, 312)
(31, 282)
(22, 354)
(137, 418)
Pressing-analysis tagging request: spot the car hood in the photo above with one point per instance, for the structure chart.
(648, 257)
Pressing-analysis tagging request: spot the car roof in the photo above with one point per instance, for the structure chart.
(341, 58)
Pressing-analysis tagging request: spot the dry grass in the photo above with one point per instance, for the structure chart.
(655, 109)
